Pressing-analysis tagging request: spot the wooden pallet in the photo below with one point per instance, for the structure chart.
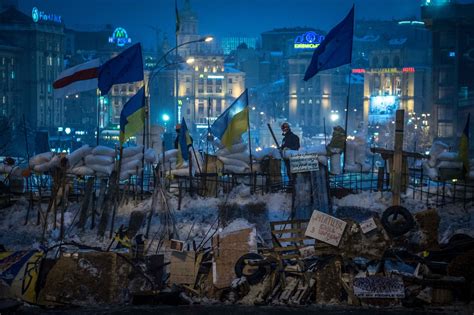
(288, 237)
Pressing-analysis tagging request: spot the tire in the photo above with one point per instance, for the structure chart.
(256, 276)
(397, 229)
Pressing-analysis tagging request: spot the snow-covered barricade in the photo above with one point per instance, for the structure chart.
(356, 155)
(443, 162)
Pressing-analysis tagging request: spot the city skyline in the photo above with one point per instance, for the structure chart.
(214, 19)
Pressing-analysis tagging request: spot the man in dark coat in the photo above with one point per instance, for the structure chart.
(290, 140)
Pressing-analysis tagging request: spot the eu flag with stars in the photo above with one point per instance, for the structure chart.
(336, 48)
(127, 67)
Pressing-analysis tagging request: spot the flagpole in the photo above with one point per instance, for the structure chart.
(347, 119)
(250, 142)
(145, 123)
(176, 118)
(98, 115)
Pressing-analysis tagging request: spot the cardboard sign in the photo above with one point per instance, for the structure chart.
(325, 228)
(368, 225)
(379, 287)
(304, 163)
(177, 245)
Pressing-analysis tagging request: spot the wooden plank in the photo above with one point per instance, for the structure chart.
(397, 157)
(287, 248)
(293, 239)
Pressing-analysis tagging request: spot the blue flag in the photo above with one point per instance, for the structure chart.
(336, 48)
(124, 68)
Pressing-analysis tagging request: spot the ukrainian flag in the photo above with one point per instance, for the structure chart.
(184, 143)
(464, 145)
(233, 122)
(132, 117)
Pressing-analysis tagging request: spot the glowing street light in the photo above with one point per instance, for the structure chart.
(165, 117)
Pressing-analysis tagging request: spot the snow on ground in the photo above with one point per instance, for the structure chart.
(197, 219)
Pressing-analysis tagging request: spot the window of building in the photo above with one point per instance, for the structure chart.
(201, 108)
(4, 99)
(375, 62)
(385, 62)
(188, 111)
(209, 89)
(445, 129)
(3, 60)
(230, 91)
(49, 88)
(188, 79)
(302, 90)
(201, 81)
(200, 89)
(209, 82)
(310, 101)
(218, 107)
(130, 88)
(188, 90)
(13, 75)
(218, 88)
(49, 61)
(229, 80)
(396, 61)
(445, 113)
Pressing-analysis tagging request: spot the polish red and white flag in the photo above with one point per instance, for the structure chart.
(77, 79)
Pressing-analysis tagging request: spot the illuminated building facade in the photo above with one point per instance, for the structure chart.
(452, 28)
(31, 56)
(229, 44)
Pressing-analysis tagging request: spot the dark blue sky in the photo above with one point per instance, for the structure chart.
(219, 17)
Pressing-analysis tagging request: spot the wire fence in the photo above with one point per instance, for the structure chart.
(435, 192)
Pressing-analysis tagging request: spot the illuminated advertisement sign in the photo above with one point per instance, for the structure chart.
(388, 70)
(382, 108)
(120, 37)
(38, 16)
(308, 40)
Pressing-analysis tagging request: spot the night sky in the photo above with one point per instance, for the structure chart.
(218, 17)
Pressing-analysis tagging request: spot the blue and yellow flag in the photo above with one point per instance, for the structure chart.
(184, 143)
(464, 145)
(233, 122)
(132, 117)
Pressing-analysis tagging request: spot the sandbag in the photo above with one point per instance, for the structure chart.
(103, 150)
(335, 164)
(436, 149)
(242, 156)
(450, 164)
(131, 165)
(431, 172)
(323, 159)
(151, 156)
(99, 160)
(54, 162)
(40, 158)
(5, 168)
(266, 152)
(82, 171)
(173, 153)
(289, 153)
(126, 174)
(130, 151)
(236, 169)
(136, 157)
(41, 168)
(76, 156)
(105, 169)
(317, 149)
(227, 161)
(235, 148)
(448, 156)
(350, 153)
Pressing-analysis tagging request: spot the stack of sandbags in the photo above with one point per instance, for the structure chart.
(101, 161)
(41, 164)
(266, 152)
(356, 149)
(132, 162)
(169, 157)
(10, 170)
(76, 158)
(151, 156)
(235, 159)
(436, 149)
(431, 167)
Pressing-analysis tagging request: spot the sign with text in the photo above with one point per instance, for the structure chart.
(325, 228)
(379, 287)
(304, 163)
(368, 225)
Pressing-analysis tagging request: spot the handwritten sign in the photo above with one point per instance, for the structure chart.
(304, 163)
(379, 287)
(325, 228)
(368, 225)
